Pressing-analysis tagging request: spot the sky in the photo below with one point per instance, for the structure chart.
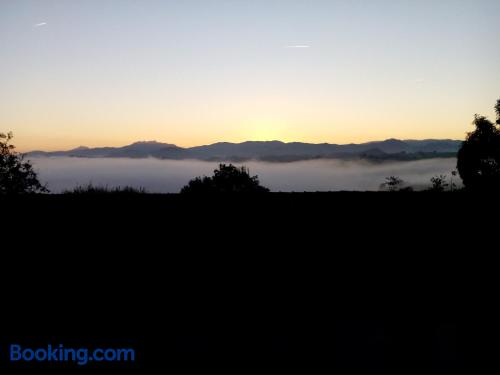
(192, 72)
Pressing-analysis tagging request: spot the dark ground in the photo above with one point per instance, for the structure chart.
(368, 283)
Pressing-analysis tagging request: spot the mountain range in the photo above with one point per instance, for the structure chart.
(274, 151)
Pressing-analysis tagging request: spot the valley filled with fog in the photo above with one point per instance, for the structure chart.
(168, 176)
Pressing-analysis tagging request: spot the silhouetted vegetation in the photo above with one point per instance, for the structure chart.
(394, 184)
(439, 183)
(497, 110)
(16, 174)
(226, 179)
(97, 190)
(479, 157)
(453, 185)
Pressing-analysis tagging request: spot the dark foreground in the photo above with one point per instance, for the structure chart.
(303, 283)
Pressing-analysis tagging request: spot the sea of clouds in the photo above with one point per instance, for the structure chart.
(168, 176)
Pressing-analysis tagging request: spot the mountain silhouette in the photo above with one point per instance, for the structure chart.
(391, 149)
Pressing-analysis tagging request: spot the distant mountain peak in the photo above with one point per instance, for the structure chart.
(391, 141)
(262, 142)
(147, 143)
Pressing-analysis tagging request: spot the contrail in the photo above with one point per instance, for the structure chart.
(40, 24)
(299, 46)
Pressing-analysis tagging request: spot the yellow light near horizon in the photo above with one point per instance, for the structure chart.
(265, 130)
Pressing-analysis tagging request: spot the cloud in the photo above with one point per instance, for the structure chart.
(40, 24)
(169, 176)
(299, 46)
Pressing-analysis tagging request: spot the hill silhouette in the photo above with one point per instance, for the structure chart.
(271, 151)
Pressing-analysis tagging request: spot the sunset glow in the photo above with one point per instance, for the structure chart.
(193, 72)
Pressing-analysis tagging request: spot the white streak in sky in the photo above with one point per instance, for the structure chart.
(299, 46)
(40, 24)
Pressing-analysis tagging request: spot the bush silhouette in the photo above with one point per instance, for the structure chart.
(392, 183)
(16, 175)
(439, 184)
(226, 179)
(479, 157)
(91, 189)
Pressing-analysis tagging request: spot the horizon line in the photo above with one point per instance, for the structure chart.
(249, 141)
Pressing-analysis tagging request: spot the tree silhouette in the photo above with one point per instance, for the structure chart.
(479, 157)
(16, 175)
(226, 179)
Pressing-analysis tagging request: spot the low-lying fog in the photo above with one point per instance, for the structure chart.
(167, 176)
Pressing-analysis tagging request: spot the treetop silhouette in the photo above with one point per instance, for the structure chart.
(16, 174)
(226, 179)
(479, 157)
